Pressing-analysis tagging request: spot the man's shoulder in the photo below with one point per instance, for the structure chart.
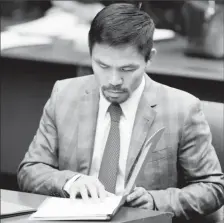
(176, 96)
(76, 83)
(73, 89)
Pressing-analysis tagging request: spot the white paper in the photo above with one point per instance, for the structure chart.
(149, 146)
(12, 39)
(65, 208)
(54, 24)
(8, 208)
(163, 34)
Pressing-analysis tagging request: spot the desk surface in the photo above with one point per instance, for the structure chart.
(170, 59)
(124, 215)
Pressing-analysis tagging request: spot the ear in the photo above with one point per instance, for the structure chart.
(152, 54)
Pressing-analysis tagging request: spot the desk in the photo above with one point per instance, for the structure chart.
(170, 59)
(170, 65)
(124, 215)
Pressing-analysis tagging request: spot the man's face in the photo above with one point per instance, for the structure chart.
(118, 70)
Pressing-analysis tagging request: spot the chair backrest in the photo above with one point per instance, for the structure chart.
(214, 113)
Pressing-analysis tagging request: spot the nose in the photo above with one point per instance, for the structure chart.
(116, 79)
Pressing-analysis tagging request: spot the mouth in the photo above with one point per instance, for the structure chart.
(115, 92)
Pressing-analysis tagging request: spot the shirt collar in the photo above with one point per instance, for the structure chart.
(129, 107)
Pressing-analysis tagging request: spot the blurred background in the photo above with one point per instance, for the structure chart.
(45, 41)
(165, 13)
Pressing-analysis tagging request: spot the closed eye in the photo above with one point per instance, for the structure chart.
(103, 65)
(128, 69)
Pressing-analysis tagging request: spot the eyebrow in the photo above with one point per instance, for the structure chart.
(126, 65)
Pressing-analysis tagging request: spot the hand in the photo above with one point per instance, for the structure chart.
(88, 186)
(140, 198)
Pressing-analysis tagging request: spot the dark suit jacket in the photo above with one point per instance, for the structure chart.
(183, 173)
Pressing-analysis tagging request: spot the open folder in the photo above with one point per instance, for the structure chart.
(76, 209)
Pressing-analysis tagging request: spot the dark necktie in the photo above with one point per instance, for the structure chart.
(109, 165)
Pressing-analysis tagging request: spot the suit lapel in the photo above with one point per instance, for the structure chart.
(144, 118)
(88, 112)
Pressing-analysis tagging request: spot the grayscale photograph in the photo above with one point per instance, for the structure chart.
(112, 111)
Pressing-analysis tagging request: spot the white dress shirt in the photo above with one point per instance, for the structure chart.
(129, 108)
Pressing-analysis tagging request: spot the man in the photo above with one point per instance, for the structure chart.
(93, 127)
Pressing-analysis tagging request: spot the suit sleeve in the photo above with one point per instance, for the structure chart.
(203, 190)
(39, 170)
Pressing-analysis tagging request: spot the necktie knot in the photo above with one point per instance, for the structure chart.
(115, 112)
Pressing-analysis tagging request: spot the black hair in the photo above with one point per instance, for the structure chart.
(122, 24)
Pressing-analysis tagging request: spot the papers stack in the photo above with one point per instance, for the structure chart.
(69, 209)
(12, 39)
(43, 31)
(55, 24)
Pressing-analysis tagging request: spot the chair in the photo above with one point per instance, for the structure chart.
(214, 113)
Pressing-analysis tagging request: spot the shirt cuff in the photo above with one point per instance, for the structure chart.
(69, 183)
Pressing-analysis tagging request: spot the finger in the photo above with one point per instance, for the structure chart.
(138, 192)
(84, 193)
(139, 201)
(102, 193)
(145, 206)
(73, 192)
(92, 191)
